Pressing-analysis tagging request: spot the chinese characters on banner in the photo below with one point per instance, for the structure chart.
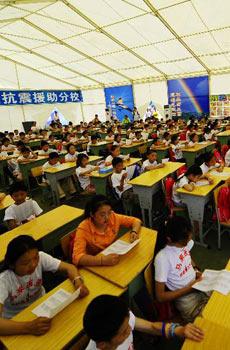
(18, 97)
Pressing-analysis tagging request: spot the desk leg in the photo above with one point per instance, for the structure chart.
(54, 188)
(25, 175)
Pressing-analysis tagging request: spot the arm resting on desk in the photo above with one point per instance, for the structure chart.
(74, 277)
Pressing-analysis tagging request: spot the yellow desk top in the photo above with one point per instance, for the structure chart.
(160, 148)
(218, 308)
(215, 337)
(69, 165)
(136, 144)
(224, 133)
(127, 163)
(198, 147)
(67, 324)
(41, 226)
(101, 143)
(132, 263)
(202, 191)
(6, 202)
(224, 175)
(149, 178)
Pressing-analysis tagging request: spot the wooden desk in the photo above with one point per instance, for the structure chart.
(196, 201)
(148, 183)
(217, 309)
(129, 149)
(132, 264)
(67, 324)
(223, 137)
(95, 149)
(5, 203)
(162, 152)
(190, 153)
(215, 337)
(61, 220)
(34, 144)
(99, 180)
(63, 171)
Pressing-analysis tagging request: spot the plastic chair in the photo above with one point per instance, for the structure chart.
(171, 155)
(167, 186)
(80, 344)
(67, 245)
(225, 225)
(37, 173)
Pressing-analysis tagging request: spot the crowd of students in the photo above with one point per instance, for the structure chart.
(107, 321)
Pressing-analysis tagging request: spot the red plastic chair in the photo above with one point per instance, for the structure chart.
(183, 136)
(224, 150)
(171, 155)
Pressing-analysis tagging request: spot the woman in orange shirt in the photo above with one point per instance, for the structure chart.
(98, 231)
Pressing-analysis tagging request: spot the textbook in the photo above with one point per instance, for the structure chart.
(214, 280)
(120, 247)
(55, 303)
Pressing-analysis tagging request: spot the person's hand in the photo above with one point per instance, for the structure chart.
(220, 169)
(96, 167)
(190, 331)
(39, 326)
(133, 236)
(110, 260)
(161, 165)
(198, 275)
(124, 176)
(210, 181)
(83, 291)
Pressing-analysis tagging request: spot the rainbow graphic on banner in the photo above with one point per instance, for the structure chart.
(189, 92)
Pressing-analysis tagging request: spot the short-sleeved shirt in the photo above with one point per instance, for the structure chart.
(16, 293)
(178, 154)
(116, 182)
(205, 169)
(179, 184)
(41, 152)
(173, 266)
(71, 157)
(22, 212)
(89, 241)
(127, 344)
(84, 179)
(147, 163)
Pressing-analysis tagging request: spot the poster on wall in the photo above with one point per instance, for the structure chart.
(189, 97)
(220, 105)
(119, 100)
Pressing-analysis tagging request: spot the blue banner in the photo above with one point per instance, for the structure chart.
(25, 97)
(119, 100)
(189, 96)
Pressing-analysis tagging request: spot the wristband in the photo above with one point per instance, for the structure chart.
(172, 329)
(163, 330)
(133, 231)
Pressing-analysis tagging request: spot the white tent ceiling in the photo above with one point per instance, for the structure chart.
(95, 43)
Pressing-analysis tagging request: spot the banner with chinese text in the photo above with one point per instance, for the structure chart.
(24, 97)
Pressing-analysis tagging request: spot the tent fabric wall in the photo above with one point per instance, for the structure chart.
(93, 103)
(155, 91)
(219, 84)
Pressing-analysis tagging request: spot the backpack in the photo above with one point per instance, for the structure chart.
(223, 204)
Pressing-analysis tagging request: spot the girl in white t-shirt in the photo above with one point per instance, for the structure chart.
(176, 273)
(176, 149)
(110, 325)
(83, 171)
(72, 154)
(21, 284)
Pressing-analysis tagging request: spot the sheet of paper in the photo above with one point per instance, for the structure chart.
(216, 173)
(214, 280)
(55, 303)
(202, 183)
(120, 247)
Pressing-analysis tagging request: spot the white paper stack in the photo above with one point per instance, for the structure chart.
(214, 280)
(202, 183)
(120, 247)
(55, 303)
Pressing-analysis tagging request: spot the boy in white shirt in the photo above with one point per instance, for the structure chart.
(176, 273)
(110, 325)
(26, 155)
(45, 150)
(110, 135)
(151, 162)
(23, 210)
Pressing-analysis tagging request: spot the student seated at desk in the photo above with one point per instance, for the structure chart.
(26, 155)
(138, 137)
(6, 146)
(100, 229)
(131, 133)
(83, 171)
(193, 139)
(188, 182)
(23, 137)
(45, 150)
(115, 151)
(110, 135)
(166, 139)
(23, 210)
(151, 162)
(120, 179)
(175, 271)
(3, 154)
(109, 324)
(93, 141)
(176, 149)
(118, 140)
(85, 136)
(21, 284)
(72, 154)
(210, 163)
(208, 136)
(53, 162)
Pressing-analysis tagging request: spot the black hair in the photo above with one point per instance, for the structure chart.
(150, 151)
(53, 155)
(116, 136)
(16, 187)
(5, 139)
(25, 149)
(94, 204)
(84, 132)
(207, 130)
(104, 317)
(194, 170)
(80, 157)
(116, 160)
(94, 137)
(16, 248)
(166, 133)
(137, 133)
(22, 133)
(113, 147)
(109, 130)
(68, 146)
(174, 138)
(44, 143)
(20, 143)
(177, 229)
(192, 135)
